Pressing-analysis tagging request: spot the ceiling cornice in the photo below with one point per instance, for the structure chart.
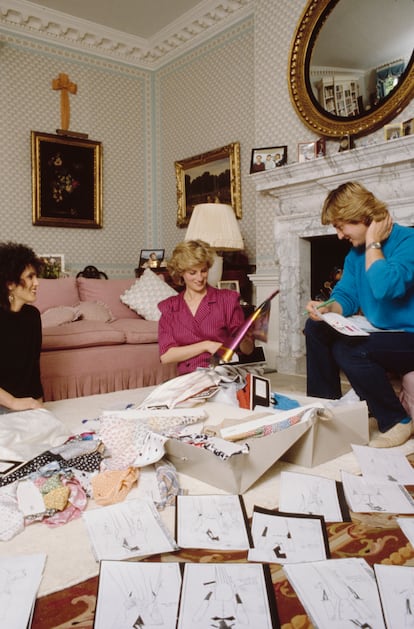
(196, 26)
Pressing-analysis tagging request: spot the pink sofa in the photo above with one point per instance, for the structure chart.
(109, 348)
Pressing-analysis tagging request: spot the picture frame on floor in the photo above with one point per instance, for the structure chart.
(66, 181)
(208, 178)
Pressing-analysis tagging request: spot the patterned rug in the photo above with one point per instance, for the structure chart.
(376, 537)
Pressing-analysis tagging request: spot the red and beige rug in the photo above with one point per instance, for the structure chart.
(376, 537)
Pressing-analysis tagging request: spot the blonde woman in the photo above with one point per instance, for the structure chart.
(197, 321)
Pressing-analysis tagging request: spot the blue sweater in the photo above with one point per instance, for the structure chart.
(384, 293)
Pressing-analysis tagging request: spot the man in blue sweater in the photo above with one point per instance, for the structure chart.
(377, 281)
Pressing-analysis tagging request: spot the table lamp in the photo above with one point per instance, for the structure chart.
(216, 224)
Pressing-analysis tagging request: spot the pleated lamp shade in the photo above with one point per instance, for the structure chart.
(216, 224)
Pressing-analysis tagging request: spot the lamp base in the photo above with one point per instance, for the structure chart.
(216, 271)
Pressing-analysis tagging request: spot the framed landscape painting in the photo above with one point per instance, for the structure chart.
(66, 181)
(208, 178)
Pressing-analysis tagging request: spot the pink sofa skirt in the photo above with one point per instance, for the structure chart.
(78, 372)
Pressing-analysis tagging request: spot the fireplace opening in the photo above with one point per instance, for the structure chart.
(327, 259)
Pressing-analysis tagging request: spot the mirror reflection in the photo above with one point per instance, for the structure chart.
(359, 55)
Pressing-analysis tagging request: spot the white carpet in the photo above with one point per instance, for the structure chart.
(69, 556)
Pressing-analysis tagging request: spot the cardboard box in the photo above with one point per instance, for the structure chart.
(329, 439)
(307, 444)
(240, 471)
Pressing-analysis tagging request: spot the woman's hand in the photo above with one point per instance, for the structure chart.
(212, 346)
(25, 404)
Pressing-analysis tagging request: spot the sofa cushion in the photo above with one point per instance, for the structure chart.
(138, 330)
(145, 295)
(94, 311)
(60, 292)
(59, 315)
(81, 334)
(107, 292)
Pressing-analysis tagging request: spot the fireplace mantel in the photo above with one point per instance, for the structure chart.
(297, 192)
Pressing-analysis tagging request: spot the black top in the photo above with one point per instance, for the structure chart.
(20, 343)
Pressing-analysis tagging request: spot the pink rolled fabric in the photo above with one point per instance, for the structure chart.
(258, 321)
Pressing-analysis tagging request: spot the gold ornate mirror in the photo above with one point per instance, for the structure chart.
(351, 64)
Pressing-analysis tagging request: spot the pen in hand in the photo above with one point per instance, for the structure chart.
(321, 305)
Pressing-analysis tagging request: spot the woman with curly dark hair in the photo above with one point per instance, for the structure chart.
(20, 329)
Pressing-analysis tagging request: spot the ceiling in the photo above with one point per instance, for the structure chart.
(142, 18)
(144, 34)
(148, 33)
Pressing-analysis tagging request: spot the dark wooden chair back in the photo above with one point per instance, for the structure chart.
(92, 272)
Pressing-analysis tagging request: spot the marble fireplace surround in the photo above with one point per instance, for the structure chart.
(296, 193)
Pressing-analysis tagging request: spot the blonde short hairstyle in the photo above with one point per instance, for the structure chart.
(188, 254)
(351, 202)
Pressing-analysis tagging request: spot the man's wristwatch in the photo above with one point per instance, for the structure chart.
(373, 245)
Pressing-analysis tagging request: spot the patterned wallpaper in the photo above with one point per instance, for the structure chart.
(112, 105)
(205, 100)
(233, 87)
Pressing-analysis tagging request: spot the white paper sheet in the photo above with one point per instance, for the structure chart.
(396, 588)
(129, 529)
(407, 527)
(19, 582)
(224, 595)
(283, 539)
(132, 594)
(365, 496)
(309, 494)
(344, 325)
(384, 464)
(211, 522)
(338, 593)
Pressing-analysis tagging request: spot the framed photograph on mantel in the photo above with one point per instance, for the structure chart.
(66, 181)
(209, 177)
(307, 151)
(267, 158)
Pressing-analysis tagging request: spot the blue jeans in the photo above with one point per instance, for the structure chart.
(366, 361)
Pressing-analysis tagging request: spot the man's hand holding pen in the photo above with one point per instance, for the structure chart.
(315, 308)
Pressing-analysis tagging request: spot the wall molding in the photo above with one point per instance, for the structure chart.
(206, 20)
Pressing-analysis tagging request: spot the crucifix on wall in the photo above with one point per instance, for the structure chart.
(63, 84)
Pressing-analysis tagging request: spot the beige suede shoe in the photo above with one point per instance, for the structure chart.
(395, 436)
